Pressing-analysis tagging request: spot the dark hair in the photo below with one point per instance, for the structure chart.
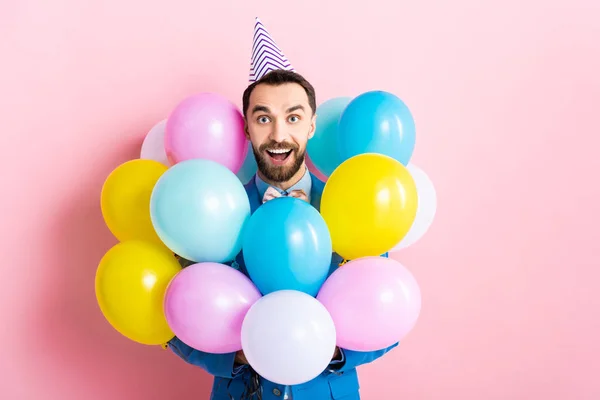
(279, 77)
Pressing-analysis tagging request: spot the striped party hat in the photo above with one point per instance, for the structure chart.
(266, 56)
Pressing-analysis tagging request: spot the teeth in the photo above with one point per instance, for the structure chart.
(278, 151)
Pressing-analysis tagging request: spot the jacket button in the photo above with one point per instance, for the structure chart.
(277, 392)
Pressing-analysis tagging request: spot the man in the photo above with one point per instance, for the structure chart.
(279, 109)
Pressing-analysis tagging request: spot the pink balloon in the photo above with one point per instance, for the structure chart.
(374, 303)
(206, 126)
(205, 305)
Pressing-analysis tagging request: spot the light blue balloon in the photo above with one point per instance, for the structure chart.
(322, 147)
(249, 166)
(287, 246)
(199, 209)
(377, 122)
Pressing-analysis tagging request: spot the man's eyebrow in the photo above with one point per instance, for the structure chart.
(296, 107)
(261, 109)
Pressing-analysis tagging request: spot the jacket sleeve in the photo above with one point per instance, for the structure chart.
(222, 365)
(351, 359)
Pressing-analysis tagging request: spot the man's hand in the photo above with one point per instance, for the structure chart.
(299, 194)
(272, 193)
(240, 358)
(336, 354)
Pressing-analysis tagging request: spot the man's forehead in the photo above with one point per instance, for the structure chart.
(279, 97)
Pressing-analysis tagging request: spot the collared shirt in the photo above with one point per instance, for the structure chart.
(305, 184)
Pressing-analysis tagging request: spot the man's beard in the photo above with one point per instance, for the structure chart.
(275, 173)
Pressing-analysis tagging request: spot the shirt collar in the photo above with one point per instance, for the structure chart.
(305, 183)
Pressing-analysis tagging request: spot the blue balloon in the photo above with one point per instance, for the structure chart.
(287, 246)
(322, 147)
(199, 209)
(249, 167)
(377, 122)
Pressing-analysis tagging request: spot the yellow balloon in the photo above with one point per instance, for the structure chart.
(125, 199)
(131, 281)
(369, 203)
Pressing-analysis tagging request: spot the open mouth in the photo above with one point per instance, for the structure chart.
(279, 155)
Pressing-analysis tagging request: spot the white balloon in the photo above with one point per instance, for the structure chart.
(426, 208)
(288, 337)
(153, 147)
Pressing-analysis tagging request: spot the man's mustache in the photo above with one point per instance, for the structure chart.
(278, 146)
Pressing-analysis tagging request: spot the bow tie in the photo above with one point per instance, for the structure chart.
(273, 193)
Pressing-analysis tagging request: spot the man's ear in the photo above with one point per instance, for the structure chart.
(313, 127)
(246, 129)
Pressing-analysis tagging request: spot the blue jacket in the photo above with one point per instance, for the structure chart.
(338, 381)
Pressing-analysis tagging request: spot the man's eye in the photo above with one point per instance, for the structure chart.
(263, 120)
(294, 118)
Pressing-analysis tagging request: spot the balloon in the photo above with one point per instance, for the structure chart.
(249, 166)
(426, 208)
(369, 204)
(374, 303)
(288, 337)
(205, 306)
(311, 167)
(322, 147)
(377, 122)
(125, 200)
(131, 281)
(198, 208)
(153, 147)
(206, 126)
(287, 246)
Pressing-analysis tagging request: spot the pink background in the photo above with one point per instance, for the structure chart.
(506, 99)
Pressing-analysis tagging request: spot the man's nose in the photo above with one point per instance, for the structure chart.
(278, 134)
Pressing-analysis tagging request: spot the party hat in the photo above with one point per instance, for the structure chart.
(266, 56)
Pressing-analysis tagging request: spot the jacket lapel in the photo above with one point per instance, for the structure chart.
(316, 191)
(253, 196)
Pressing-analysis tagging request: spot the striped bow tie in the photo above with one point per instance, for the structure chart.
(273, 193)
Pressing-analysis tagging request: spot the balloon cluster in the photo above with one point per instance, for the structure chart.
(263, 282)
(373, 122)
